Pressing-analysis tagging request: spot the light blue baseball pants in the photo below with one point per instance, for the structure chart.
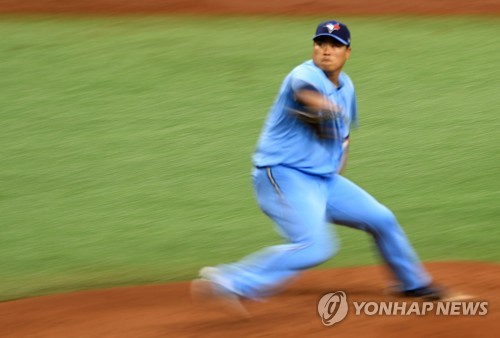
(302, 205)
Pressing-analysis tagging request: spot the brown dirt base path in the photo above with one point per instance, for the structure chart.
(167, 310)
(282, 7)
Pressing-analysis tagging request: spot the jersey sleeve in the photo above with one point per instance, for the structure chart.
(304, 77)
(351, 109)
(354, 111)
(351, 103)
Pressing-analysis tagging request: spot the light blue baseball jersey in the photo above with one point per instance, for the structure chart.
(287, 140)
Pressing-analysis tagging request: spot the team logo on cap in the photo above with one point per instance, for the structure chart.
(333, 27)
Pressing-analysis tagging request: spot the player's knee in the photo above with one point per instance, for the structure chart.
(384, 220)
(388, 217)
(320, 251)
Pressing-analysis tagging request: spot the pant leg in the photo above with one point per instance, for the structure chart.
(296, 202)
(351, 206)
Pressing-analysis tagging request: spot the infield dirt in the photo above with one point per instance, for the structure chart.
(167, 310)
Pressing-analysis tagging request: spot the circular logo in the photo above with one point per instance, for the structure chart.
(332, 307)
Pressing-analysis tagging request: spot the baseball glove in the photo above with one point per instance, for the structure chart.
(323, 123)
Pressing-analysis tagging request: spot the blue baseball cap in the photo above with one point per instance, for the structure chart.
(335, 30)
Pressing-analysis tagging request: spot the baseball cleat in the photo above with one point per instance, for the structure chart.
(208, 292)
(427, 293)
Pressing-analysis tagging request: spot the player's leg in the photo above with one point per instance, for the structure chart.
(296, 202)
(350, 205)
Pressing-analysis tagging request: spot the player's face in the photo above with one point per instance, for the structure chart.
(329, 54)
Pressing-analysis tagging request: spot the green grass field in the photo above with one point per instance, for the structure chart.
(125, 143)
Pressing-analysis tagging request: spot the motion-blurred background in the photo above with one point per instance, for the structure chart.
(125, 141)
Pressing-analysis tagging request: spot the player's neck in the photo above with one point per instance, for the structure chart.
(334, 77)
